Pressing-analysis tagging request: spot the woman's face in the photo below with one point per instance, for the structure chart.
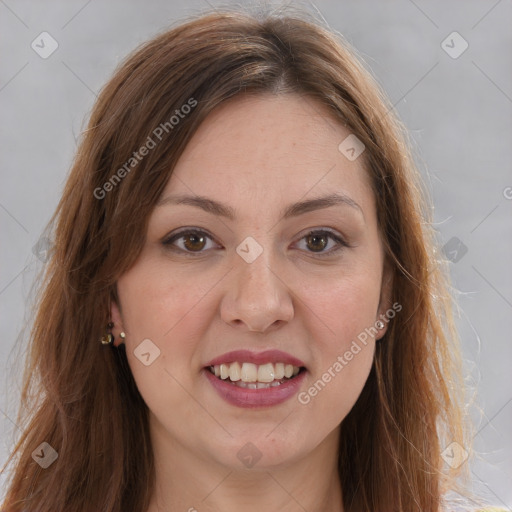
(254, 291)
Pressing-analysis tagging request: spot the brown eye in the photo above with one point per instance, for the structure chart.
(317, 242)
(194, 242)
(188, 242)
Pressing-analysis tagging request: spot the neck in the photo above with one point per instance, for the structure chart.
(186, 482)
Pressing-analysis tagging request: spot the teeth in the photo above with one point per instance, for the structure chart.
(224, 371)
(266, 373)
(279, 371)
(235, 372)
(252, 376)
(249, 372)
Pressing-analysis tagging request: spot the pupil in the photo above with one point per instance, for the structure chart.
(316, 238)
(196, 238)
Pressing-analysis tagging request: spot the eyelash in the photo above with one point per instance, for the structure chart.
(330, 234)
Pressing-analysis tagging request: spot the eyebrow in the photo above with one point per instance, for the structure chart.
(293, 210)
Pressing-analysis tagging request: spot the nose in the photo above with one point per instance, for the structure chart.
(257, 298)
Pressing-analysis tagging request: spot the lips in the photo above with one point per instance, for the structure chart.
(248, 379)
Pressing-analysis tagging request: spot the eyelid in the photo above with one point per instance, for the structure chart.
(336, 236)
(168, 239)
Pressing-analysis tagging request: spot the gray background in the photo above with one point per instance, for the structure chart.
(458, 111)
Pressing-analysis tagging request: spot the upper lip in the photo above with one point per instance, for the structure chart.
(246, 356)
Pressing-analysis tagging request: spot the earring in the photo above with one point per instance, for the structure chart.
(108, 339)
(379, 324)
(122, 335)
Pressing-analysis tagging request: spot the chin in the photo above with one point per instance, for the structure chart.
(259, 451)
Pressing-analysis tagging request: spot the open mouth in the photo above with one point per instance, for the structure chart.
(254, 376)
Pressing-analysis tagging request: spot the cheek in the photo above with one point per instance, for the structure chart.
(167, 309)
(341, 308)
(339, 318)
(163, 307)
(156, 301)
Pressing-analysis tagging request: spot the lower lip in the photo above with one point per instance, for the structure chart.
(265, 397)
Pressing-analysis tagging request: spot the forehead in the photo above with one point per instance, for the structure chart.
(271, 148)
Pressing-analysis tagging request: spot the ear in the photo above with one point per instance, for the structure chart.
(386, 293)
(115, 315)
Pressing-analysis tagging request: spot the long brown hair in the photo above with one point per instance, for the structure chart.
(81, 398)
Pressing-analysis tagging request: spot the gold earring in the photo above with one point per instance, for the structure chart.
(108, 339)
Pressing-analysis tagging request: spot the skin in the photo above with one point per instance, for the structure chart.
(290, 298)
